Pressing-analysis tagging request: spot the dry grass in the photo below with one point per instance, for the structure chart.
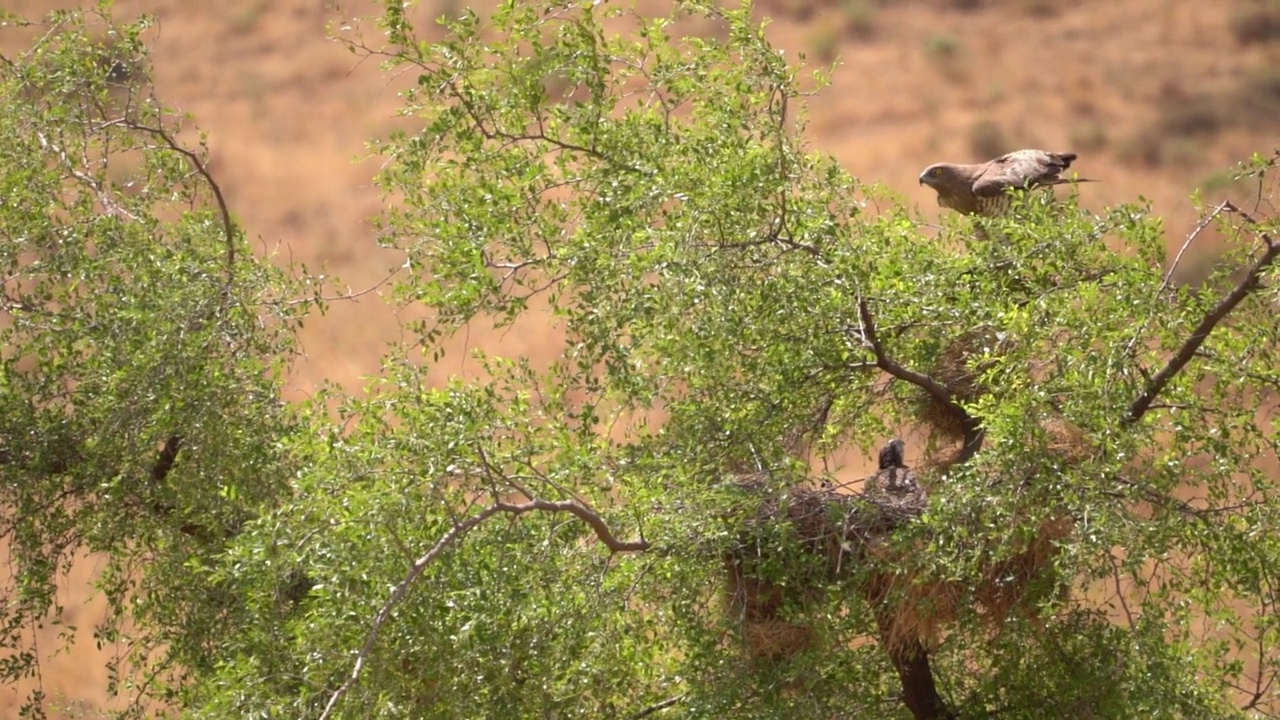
(773, 639)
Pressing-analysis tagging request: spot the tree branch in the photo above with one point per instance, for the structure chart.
(658, 707)
(1225, 205)
(1160, 380)
(228, 228)
(911, 661)
(459, 529)
(919, 692)
(1177, 260)
(973, 433)
(168, 455)
(104, 197)
(889, 365)
(582, 512)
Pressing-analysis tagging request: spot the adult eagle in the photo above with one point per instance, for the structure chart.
(980, 189)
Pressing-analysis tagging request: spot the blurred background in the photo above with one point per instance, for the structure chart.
(1160, 98)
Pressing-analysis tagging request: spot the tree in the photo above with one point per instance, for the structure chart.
(638, 528)
(143, 351)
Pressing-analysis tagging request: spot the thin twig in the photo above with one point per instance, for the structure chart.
(1199, 228)
(397, 594)
(331, 298)
(1211, 319)
(110, 205)
(1181, 507)
(1168, 275)
(1120, 593)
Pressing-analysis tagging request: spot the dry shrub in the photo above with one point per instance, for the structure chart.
(1144, 148)
(987, 139)
(952, 368)
(1089, 136)
(1184, 120)
(914, 608)
(1257, 22)
(859, 17)
(938, 416)
(1195, 116)
(1041, 8)
(1256, 100)
(910, 609)
(800, 10)
(759, 604)
(774, 639)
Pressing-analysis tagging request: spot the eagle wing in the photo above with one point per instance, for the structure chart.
(1021, 169)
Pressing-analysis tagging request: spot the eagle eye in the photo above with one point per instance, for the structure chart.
(937, 172)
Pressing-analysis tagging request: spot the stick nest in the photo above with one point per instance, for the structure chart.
(839, 539)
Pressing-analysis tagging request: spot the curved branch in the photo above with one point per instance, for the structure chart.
(1157, 383)
(459, 529)
(228, 228)
(582, 512)
(973, 433)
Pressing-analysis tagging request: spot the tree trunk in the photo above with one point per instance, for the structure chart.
(911, 660)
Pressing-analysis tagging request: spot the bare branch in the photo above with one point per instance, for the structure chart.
(228, 228)
(1180, 507)
(582, 512)
(109, 204)
(658, 707)
(1195, 232)
(1177, 260)
(497, 134)
(349, 295)
(1160, 380)
(889, 365)
(397, 594)
(1261, 689)
(459, 529)
(1120, 593)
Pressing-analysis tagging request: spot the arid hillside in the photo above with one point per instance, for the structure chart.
(1159, 98)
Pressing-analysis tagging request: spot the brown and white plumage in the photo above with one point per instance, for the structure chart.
(980, 189)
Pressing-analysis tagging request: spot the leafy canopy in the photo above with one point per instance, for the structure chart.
(735, 316)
